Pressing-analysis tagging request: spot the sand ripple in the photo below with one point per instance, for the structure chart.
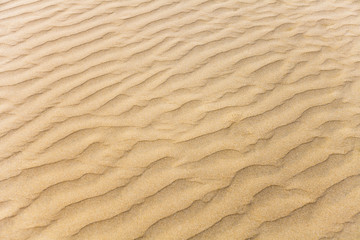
(198, 119)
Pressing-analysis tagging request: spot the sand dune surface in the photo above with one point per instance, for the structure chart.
(171, 120)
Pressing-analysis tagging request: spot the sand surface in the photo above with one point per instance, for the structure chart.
(193, 119)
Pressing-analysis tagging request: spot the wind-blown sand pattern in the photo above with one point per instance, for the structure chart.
(197, 119)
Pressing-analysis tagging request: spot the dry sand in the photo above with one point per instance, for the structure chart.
(193, 119)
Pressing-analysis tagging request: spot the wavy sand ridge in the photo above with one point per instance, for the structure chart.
(190, 119)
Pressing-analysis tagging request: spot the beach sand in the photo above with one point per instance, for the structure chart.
(196, 119)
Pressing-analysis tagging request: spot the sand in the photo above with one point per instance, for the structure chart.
(196, 119)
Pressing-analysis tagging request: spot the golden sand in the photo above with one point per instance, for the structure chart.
(193, 119)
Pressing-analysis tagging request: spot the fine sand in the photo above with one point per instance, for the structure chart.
(187, 119)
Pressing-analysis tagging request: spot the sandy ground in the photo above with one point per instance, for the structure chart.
(196, 119)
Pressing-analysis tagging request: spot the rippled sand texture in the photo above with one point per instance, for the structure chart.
(196, 119)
